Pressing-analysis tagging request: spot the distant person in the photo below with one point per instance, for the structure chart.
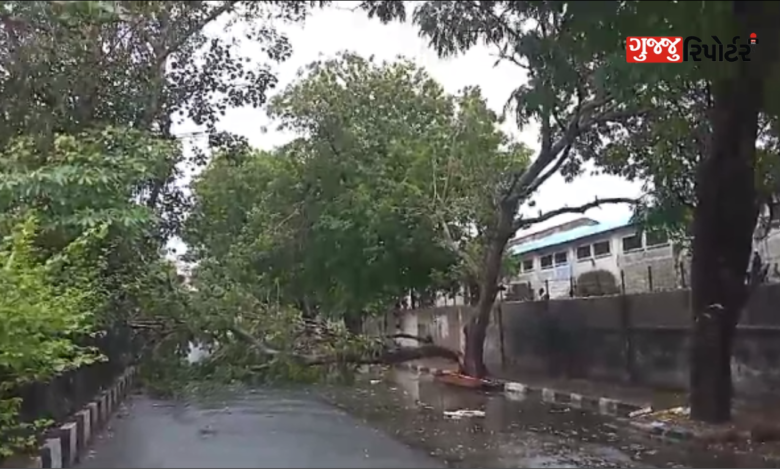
(543, 295)
(758, 271)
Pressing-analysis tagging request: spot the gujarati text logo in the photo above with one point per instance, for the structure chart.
(675, 49)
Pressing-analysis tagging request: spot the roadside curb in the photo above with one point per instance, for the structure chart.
(602, 405)
(519, 391)
(63, 446)
(620, 410)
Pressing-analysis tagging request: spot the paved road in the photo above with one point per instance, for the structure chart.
(517, 432)
(272, 429)
(298, 429)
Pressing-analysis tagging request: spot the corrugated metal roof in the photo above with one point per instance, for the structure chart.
(569, 236)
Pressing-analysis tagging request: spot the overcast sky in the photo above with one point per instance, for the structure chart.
(333, 30)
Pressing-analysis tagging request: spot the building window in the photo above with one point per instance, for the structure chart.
(634, 242)
(528, 265)
(547, 262)
(583, 252)
(561, 258)
(656, 238)
(602, 248)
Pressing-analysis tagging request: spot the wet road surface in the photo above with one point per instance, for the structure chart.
(515, 433)
(392, 419)
(269, 429)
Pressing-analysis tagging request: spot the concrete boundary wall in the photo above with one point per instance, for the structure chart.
(643, 339)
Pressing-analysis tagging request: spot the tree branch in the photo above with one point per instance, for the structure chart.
(426, 340)
(391, 356)
(387, 356)
(521, 222)
(526, 182)
(257, 344)
(552, 171)
(174, 46)
(522, 181)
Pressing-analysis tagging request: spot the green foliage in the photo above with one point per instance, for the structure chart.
(82, 180)
(349, 218)
(42, 319)
(596, 283)
(575, 50)
(89, 168)
(76, 240)
(166, 63)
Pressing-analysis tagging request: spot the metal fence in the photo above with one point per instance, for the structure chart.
(588, 284)
(599, 283)
(632, 280)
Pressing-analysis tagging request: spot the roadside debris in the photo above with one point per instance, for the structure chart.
(457, 414)
(641, 412)
(677, 412)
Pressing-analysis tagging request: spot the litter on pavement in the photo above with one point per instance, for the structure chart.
(457, 414)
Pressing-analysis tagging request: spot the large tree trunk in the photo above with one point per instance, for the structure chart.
(724, 220)
(475, 330)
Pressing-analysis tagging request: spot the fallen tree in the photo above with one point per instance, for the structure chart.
(308, 343)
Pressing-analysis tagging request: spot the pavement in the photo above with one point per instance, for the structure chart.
(388, 419)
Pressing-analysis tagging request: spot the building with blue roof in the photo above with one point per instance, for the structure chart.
(625, 258)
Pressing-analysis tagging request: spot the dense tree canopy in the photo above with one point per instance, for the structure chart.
(382, 196)
(88, 166)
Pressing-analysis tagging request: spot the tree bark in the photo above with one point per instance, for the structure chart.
(723, 225)
(475, 330)
(724, 220)
(473, 292)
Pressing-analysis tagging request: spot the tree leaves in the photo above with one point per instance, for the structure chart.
(350, 216)
(44, 307)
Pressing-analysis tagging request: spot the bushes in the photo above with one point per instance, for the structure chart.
(41, 317)
(597, 283)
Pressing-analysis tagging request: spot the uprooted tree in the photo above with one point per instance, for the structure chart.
(389, 172)
(345, 220)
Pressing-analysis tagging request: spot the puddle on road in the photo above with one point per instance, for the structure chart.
(515, 433)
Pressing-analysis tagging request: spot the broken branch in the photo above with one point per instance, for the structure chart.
(426, 340)
(392, 356)
(387, 356)
(521, 222)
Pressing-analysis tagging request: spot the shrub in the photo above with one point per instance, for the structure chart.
(596, 283)
(41, 317)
